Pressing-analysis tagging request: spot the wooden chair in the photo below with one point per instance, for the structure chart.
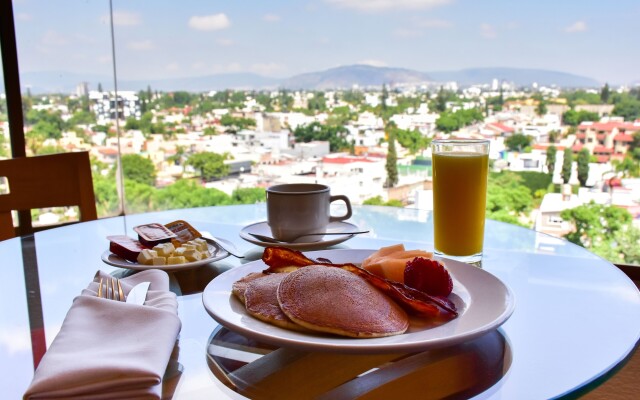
(56, 180)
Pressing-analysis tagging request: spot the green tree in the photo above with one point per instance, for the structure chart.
(248, 196)
(575, 118)
(413, 140)
(628, 108)
(186, 193)
(377, 201)
(237, 123)
(567, 164)
(392, 161)
(210, 165)
(138, 169)
(518, 142)
(605, 230)
(541, 108)
(335, 135)
(605, 93)
(583, 166)
(551, 159)
(507, 197)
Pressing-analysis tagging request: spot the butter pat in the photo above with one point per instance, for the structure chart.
(146, 257)
(193, 255)
(164, 249)
(176, 260)
(159, 261)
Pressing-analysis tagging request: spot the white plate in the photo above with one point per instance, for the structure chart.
(483, 301)
(262, 228)
(216, 252)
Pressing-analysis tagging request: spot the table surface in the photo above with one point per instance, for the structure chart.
(576, 316)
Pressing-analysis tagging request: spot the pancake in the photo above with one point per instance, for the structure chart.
(261, 301)
(238, 288)
(330, 299)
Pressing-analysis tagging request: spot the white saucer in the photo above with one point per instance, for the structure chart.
(262, 228)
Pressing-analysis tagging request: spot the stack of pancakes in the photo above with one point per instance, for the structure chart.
(322, 299)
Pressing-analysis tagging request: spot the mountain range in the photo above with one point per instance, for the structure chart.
(344, 77)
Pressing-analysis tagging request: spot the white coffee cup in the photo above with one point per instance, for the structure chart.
(300, 208)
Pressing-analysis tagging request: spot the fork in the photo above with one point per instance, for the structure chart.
(112, 293)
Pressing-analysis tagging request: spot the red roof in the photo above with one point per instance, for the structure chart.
(623, 137)
(108, 151)
(577, 147)
(502, 127)
(609, 126)
(602, 159)
(344, 160)
(602, 149)
(581, 135)
(545, 146)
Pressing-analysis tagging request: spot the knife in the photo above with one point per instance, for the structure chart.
(138, 294)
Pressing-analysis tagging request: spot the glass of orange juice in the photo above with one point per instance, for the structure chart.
(460, 169)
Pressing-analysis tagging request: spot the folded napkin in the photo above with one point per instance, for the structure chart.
(108, 349)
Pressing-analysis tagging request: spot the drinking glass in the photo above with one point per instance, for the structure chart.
(460, 169)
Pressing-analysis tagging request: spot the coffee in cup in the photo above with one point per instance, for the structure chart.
(297, 209)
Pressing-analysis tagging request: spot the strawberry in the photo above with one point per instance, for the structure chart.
(428, 276)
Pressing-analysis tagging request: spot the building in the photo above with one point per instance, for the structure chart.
(607, 139)
(106, 108)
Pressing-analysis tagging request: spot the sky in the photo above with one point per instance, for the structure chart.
(155, 39)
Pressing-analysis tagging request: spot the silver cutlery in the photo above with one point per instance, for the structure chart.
(138, 294)
(111, 290)
(219, 244)
(274, 240)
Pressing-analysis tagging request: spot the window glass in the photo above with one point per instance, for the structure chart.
(208, 103)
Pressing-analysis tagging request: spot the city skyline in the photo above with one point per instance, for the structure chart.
(164, 39)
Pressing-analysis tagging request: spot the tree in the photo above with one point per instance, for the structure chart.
(628, 108)
(414, 141)
(567, 164)
(248, 196)
(392, 161)
(575, 118)
(138, 169)
(541, 108)
(335, 135)
(583, 166)
(606, 230)
(518, 142)
(440, 104)
(551, 159)
(210, 165)
(605, 93)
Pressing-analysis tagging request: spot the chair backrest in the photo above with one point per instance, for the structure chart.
(56, 180)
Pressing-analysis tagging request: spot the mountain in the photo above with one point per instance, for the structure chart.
(519, 76)
(344, 77)
(67, 82)
(348, 76)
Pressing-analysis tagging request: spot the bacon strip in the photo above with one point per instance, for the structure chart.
(413, 301)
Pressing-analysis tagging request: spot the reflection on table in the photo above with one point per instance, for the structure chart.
(567, 299)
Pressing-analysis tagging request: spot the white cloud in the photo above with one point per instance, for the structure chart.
(53, 38)
(383, 5)
(231, 67)
(141, 45)
(488, 31)
(578, 26)
(271, 17)
(407, 33)
(267, 68)
(172, 67)
(24, 17)
(224, 42)
(214, 22)
(14, 342)
(373, 63)
(122, 18)
(434, 23)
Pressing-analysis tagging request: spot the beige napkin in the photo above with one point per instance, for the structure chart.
(108, 349)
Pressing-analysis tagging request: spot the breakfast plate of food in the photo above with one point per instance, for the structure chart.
(348, 300)
(335, 228)
(173, 246)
